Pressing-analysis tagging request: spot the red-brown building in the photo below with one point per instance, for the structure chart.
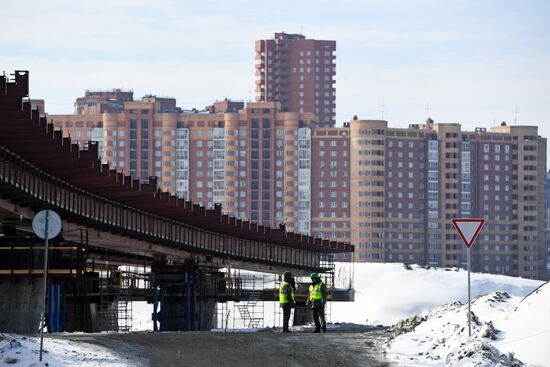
(299, 73)
(392, 192)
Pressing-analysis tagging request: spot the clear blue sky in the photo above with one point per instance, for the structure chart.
(472, 61)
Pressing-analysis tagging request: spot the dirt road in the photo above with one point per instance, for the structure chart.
(341, 348)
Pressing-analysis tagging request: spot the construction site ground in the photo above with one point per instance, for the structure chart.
(342, 346)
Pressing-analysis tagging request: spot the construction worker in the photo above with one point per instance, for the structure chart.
(286, 298)
(316, 300)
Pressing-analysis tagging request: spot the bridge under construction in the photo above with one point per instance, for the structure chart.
(125, 240)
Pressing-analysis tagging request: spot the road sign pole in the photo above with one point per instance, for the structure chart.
(45, 286)
(469, 312)
(468, 229)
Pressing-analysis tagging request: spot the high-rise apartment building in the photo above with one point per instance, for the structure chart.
(391, 192)
(407, 185)
(299, 73)
(244, 159)
(100, 101)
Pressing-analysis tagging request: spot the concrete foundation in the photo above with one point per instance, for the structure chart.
(207, 315)
(20, 305)
(81, 316)
(174, 319)
(175, 299)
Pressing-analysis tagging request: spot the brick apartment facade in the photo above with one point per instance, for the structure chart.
(390, 191)
(299, 73)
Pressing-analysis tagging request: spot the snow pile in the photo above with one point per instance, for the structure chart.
(505, 330)
(22, 351)
(387, 293)
(526, 330)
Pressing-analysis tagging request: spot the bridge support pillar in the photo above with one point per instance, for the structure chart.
(20, 305)
(83, 310)
(207, 315)
(175, 306)
(81, 315)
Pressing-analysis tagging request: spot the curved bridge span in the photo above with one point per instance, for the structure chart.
(114, 219)
(39, 168)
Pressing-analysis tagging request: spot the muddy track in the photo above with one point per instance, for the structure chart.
(341, 348)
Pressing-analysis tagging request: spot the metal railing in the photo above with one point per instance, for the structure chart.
(102, 213)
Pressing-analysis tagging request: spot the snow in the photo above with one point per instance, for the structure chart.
(526, 330)
(511, 316)
(441, 339)
(23, 351)
(387, 293)
(142, 316)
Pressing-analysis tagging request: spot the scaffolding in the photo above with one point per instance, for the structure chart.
(124, 298)
(249, 305)
(328, 277)
(107, 308)
(118, 287)
(223, 314)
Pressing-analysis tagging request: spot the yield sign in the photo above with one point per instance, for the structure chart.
(468, 229)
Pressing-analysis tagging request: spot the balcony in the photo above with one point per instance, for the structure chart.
(281, 55)
(281, 72)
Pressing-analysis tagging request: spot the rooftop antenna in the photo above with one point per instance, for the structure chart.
(516, 116)
(249, 94)
(302, 30)
(382, 108)
(428, 110)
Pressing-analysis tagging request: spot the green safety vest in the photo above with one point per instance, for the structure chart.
(282, 295)
(315, 291)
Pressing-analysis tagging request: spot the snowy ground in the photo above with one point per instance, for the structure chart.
(526, 329)
(504, 328)
(141, 316)
(387, 293)
(21, 351)
(506, 323)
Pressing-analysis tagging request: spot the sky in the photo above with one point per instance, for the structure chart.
(474, 62)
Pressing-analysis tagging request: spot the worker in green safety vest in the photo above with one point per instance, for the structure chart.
(316, 300)
(286, 298)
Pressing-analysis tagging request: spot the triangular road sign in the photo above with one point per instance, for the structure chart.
(468, 229)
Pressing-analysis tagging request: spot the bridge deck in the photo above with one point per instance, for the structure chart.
(39, 168)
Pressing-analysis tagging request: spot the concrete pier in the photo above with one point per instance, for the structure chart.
(20, 305)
